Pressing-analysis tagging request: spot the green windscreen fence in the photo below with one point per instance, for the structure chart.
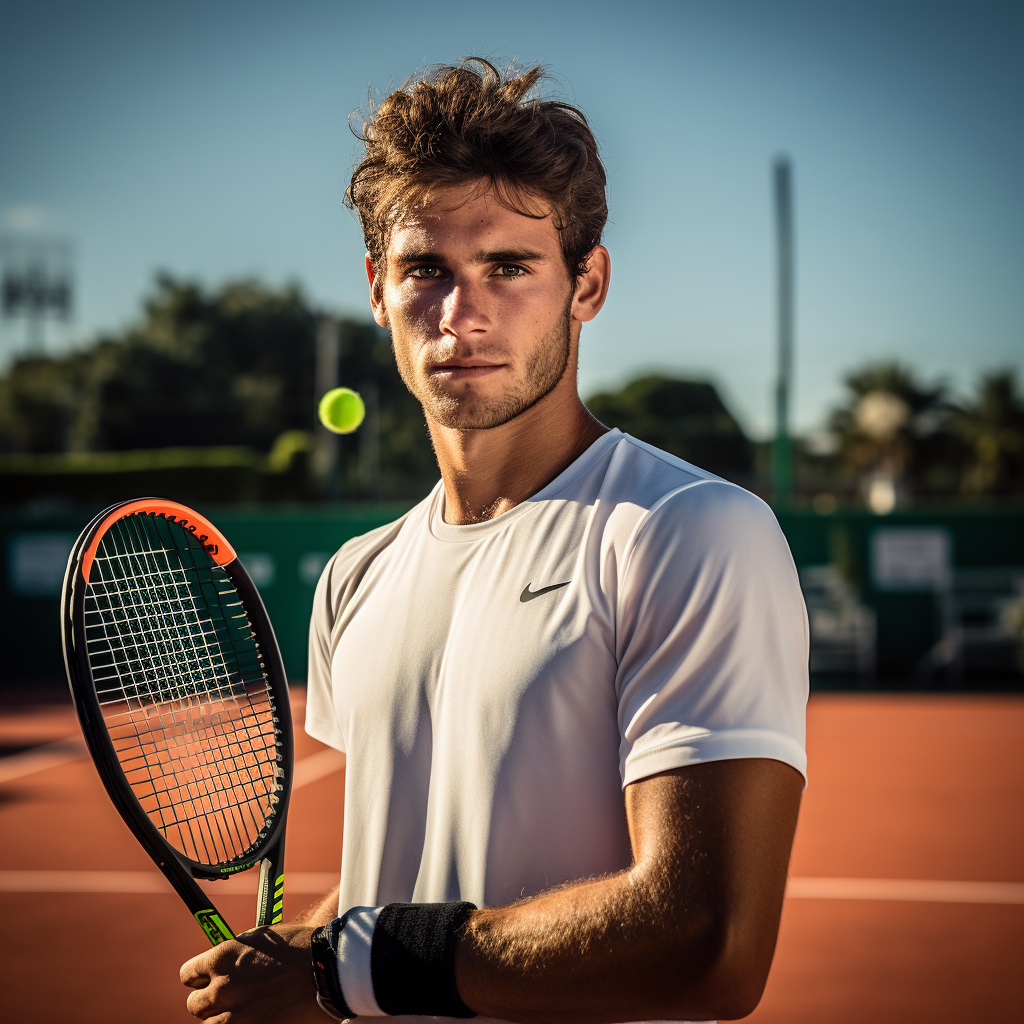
(914, 586)
(945, 588)
(283, 551)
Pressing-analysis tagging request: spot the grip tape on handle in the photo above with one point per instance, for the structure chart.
(214, 925)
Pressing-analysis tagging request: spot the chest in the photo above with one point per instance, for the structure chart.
(482, 640)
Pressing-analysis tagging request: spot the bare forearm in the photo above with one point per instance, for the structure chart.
(322, 912)
(604, 950)
(687, 933)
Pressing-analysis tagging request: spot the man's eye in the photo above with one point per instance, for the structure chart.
(426, 273)
(510, 270)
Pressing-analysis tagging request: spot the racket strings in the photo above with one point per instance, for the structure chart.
(179, 804)
(181, 795)
(184, 695)
(169, 648)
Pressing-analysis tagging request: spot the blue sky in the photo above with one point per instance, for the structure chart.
(210, 139)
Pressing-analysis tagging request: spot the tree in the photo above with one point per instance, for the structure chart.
(229, 367)
(233, 367)
(39, 397)
(991, 423)
(686, 418)
(892, 426)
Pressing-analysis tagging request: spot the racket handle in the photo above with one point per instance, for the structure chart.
(206, 914)
(213, 925)
(270, 902)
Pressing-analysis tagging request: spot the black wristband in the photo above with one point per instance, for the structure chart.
(412, 959)
(323, 947)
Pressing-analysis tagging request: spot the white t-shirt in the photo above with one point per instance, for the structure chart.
(496, 685)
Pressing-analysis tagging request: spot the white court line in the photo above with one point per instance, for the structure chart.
(905, 889)
(316, 882)
(309, 769)
(326, 762)
(316, 766)
(49, 756)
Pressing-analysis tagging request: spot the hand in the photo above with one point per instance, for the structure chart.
(264, 976)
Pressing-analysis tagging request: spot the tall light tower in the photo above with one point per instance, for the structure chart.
(782, 449)
(36, 284)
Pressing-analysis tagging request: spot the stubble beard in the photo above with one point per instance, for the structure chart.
(544, 370)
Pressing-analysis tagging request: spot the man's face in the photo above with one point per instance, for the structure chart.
(478, 300)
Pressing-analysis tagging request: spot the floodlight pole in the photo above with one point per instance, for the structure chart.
(328, 455)
(782, 449)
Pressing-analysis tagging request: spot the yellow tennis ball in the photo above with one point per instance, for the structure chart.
(342, 410)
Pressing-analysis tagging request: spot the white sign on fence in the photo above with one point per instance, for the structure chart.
(912, 558)
(37, 562)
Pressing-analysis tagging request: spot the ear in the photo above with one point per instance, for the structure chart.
(592, 287)
(380, 313)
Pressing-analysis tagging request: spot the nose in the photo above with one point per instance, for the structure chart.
(463, 310)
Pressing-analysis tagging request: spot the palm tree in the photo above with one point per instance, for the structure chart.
(894, 434)
(992, 424)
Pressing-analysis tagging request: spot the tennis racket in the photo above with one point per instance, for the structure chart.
(182, 696)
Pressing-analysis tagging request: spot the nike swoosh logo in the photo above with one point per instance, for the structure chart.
(529, 595)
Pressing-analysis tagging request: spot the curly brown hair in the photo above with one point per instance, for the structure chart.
(453, 125)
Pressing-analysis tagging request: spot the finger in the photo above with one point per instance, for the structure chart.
(208, 1001)
(195, 972)
(208, 964)
(212, 1017)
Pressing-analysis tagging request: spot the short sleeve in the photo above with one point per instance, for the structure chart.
(711, 636)
(321, 720)
(338, 582)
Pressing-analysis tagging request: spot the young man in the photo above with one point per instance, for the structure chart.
(570, 684)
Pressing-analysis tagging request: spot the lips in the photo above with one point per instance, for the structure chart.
(456, 370)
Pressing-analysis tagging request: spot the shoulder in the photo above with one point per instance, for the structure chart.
(356, 554)
(711, 510)
(641, 473)
(348, 566)
(657, 495)
(683, 536)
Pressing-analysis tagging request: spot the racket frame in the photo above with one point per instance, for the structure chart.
(180, 870)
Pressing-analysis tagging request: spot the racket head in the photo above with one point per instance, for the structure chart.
(179, 686)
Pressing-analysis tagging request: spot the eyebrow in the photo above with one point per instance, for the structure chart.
(480, 258)
(509, 256)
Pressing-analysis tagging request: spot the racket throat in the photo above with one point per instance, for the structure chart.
(270, 904)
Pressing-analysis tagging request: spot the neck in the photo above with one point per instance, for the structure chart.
(488, 472)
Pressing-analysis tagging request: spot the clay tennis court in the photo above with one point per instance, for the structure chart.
(906, 894)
